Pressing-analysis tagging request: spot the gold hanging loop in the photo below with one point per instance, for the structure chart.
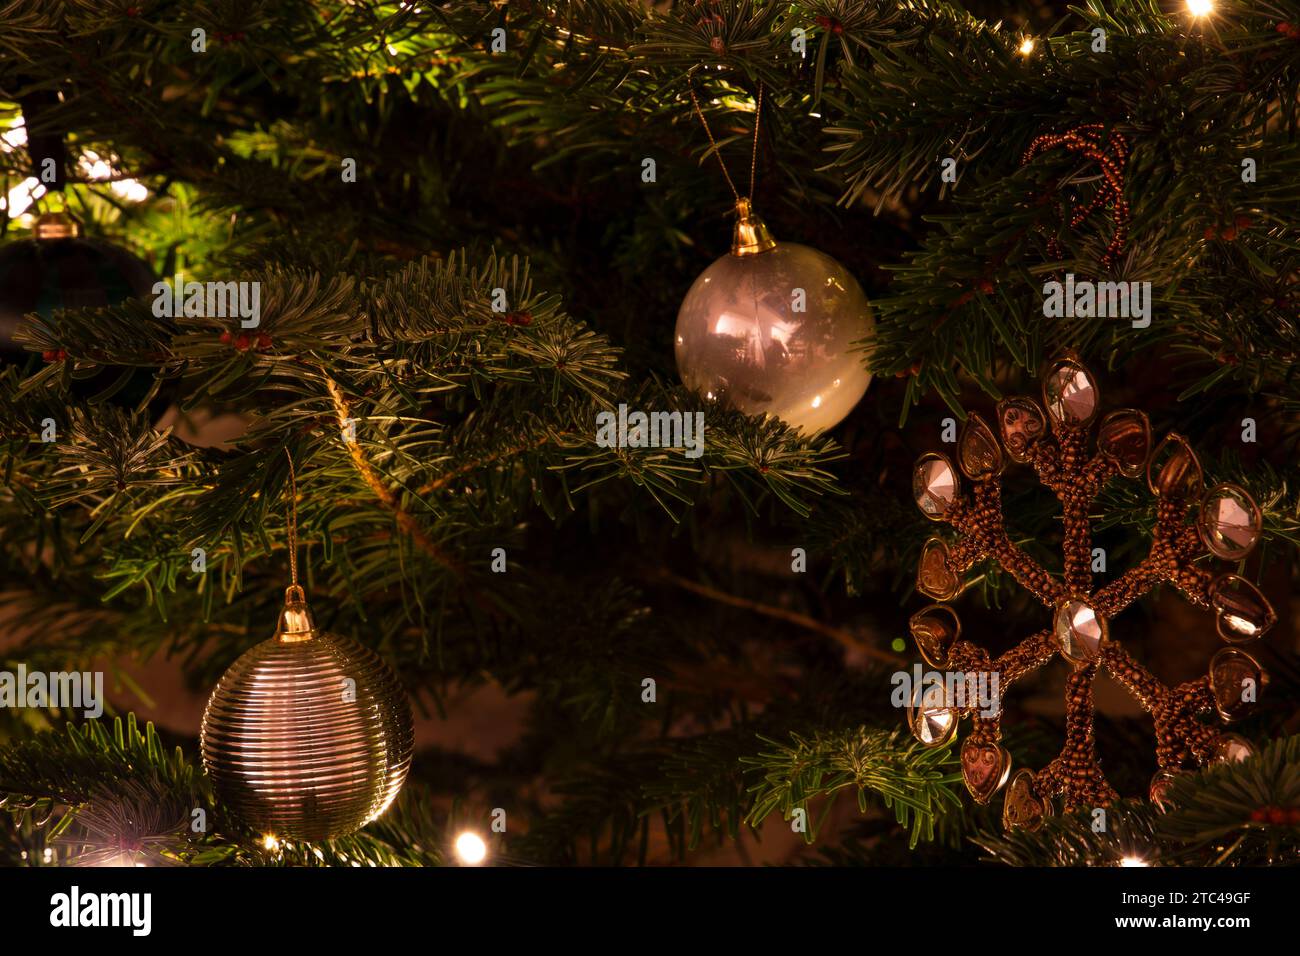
(293, 521)
(751, 235)
(296, 622)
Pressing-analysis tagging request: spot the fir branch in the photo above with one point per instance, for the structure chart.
(915, 781)
(389, 500)
(1237, 814)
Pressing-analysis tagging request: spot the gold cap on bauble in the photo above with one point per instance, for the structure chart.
(296, 622)
(750, 236)
(56, 225)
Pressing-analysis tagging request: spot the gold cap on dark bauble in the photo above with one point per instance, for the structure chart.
(56, 225)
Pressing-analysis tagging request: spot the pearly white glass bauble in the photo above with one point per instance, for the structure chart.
(740, 336)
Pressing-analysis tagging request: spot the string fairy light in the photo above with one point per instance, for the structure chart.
(470, 848)
(97, 169)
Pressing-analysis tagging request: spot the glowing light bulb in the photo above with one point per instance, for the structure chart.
(98, 169)
(1200, 8)
(13, 137)
(1133, 861)
(270, 842)
(22, 196)
(470, 848)
(1027, 46)
(130, 189)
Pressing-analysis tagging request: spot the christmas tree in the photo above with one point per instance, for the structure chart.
(426, 336)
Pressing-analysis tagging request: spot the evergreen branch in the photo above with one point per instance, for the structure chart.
(102, 797)
(915, 781)
(65, 768)
(372, 480)
(1129, 833)
(1238, 814)
(839, 635)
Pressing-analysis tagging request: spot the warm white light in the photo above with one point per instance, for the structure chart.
(1133, 861)
(97, 169)
(270, 842)
(130, 189)
(14, 137)
(1200, 8)
(93, 167)
(1027, 46)
(22, 196)
(470, 848)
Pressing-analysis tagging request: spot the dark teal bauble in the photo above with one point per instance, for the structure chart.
(60, 269)
(63, 271)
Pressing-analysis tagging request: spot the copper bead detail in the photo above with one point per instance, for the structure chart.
(1125, 438)
(935, 630)
(979, 451)
(1069, 394)
(1023, 808)
(935, 485)
(984, 768)
(934, 578)
(1231, 748)
(1158, 792)
(1080, 631)
(1173, 471)
(1235, 681)
(1230, 522)
(1242, 613)
(932, 723)
(1022, 424)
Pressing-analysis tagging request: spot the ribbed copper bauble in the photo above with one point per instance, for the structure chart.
(308, 736)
